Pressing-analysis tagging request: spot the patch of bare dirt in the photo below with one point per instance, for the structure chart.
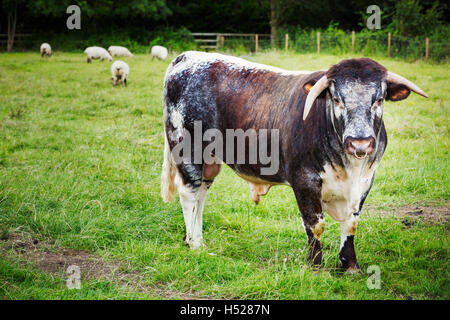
(54, 260)
(432, 214)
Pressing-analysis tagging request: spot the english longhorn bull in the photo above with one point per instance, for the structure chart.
(329, 126)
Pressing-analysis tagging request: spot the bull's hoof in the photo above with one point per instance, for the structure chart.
(355, 270)
(315, 261)
(197, 245)
(193, 244)
(185, 242)
(316, 267)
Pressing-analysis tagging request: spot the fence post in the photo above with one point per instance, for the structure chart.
(318, 42)
(427, 42)
(389, 44)
(353, 41)
(256, 43)
(286, 41)
(217, 42)
(222, 41)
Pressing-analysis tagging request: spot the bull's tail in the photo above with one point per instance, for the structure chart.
(169, 171)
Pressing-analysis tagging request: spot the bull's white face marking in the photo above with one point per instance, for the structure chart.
(343, 188)
(353, 104)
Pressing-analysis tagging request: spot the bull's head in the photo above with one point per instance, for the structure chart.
(356, 90)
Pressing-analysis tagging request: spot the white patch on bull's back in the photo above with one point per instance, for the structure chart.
(194, 60)
(176, 118)
(342, 193)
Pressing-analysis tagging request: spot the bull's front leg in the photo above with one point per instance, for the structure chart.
(309, 198)
(347, 255)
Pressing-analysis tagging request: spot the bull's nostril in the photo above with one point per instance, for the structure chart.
(359, 145)
(360, 148)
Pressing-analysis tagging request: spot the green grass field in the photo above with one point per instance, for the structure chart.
(80, 165)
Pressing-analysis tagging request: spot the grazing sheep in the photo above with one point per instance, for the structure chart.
(159, 52)
(46, 50)
(119, 51)
(97, 53)
(119, 72)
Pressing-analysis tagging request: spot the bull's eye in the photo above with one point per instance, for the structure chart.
(338, 103)
(378, 103)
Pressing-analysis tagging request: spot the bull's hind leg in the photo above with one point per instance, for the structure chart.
(192, 201)
(192, 198)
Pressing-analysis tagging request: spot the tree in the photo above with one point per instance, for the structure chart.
(154, 9)
(273, 22)
(278, 9)
(12, 22)
(11, 8)
(410, 18)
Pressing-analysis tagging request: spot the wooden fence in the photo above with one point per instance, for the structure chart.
(19, 38)
(216, 41)
(427, 40)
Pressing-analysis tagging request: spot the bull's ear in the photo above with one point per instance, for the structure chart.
(307, 86)
(397, 92)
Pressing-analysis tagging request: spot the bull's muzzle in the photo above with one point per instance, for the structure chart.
(360, 148)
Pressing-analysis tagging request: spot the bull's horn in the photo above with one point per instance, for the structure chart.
(395, 78)
(315, 91)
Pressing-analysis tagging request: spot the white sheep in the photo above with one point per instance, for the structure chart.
(46, 50)
(97, 53)
(119, 51)
(119, 72)
(159, 52)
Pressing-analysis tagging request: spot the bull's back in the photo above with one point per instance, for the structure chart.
(227, 92)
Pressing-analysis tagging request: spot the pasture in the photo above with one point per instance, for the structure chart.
(80, 165)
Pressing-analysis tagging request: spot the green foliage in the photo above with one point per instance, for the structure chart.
(410, 19)
(125, 9)
(178, 41)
